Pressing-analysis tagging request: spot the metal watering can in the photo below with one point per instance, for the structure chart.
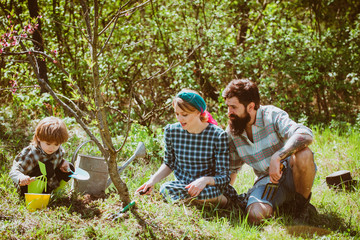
(98, 170)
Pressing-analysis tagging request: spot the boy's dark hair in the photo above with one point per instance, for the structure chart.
(51, 130)
(244, 90)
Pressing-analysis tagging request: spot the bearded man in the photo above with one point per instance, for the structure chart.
(276, 147)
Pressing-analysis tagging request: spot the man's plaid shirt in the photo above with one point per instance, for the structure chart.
(192, 156)
(271, 130)
(28, 159)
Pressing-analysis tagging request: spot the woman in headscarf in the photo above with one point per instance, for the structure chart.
(197, 152)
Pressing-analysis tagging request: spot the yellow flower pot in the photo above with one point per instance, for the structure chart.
(36, 201)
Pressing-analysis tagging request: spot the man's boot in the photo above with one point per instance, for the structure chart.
(304, 210)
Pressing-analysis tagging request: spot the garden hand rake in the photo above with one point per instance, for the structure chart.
(272, 188)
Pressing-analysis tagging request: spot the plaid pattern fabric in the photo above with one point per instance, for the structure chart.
(191, 156)
(27, 160)
(271, 130)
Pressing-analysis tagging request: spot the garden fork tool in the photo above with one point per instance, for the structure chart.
(272, 188)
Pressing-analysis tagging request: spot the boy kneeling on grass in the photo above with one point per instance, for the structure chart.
(45, 148)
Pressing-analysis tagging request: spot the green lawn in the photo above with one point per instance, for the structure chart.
(80, 217)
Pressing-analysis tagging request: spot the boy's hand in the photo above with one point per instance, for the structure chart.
(65, 166)
(26, 180)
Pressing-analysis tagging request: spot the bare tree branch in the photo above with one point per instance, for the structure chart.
(75, 115)
(123, 115)
(117, 15)
(146, 79)
(87, 20)
(57, 64)
(83, 114)
(117, 57)
(122, 13)
(154, 111)
(64, 105)
(16, 88)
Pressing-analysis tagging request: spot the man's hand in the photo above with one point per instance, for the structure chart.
(65, 166)
(195, 188)
(274, 169)
(26, 180)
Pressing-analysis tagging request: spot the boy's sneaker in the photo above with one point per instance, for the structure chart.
(61, 187)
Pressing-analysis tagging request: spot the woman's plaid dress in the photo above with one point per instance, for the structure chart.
(191, 156)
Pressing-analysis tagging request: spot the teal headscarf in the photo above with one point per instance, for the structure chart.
(194, 99)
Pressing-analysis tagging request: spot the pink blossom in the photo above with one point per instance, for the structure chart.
(1, 50)
(54, 61)
(126, 14)
(8, 16)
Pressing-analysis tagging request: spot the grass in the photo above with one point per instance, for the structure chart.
(72, 216)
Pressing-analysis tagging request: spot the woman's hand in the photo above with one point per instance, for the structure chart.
(26, 180)
(195, 188)
(161, 173)
(146, 188)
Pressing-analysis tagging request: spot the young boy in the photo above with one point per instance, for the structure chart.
(45, 147)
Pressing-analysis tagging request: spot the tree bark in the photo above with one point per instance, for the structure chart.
(109, 149)
(38, 43)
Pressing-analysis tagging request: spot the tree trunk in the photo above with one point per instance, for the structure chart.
(38, 43)
(109, 151)
(118, 183)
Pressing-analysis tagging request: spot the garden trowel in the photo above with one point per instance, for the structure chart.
(272, 188)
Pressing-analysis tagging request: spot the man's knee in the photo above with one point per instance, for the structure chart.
(304, 159)
(257, 212)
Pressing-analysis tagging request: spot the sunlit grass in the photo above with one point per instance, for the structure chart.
(80, 217)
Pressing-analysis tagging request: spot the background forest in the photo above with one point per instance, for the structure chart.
(111, 68)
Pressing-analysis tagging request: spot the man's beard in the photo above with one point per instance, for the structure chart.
(238, 124)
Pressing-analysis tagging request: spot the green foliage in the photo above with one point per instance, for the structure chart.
(303, 54)
(287, 47)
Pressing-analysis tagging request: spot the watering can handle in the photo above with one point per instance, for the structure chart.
(77, 150)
